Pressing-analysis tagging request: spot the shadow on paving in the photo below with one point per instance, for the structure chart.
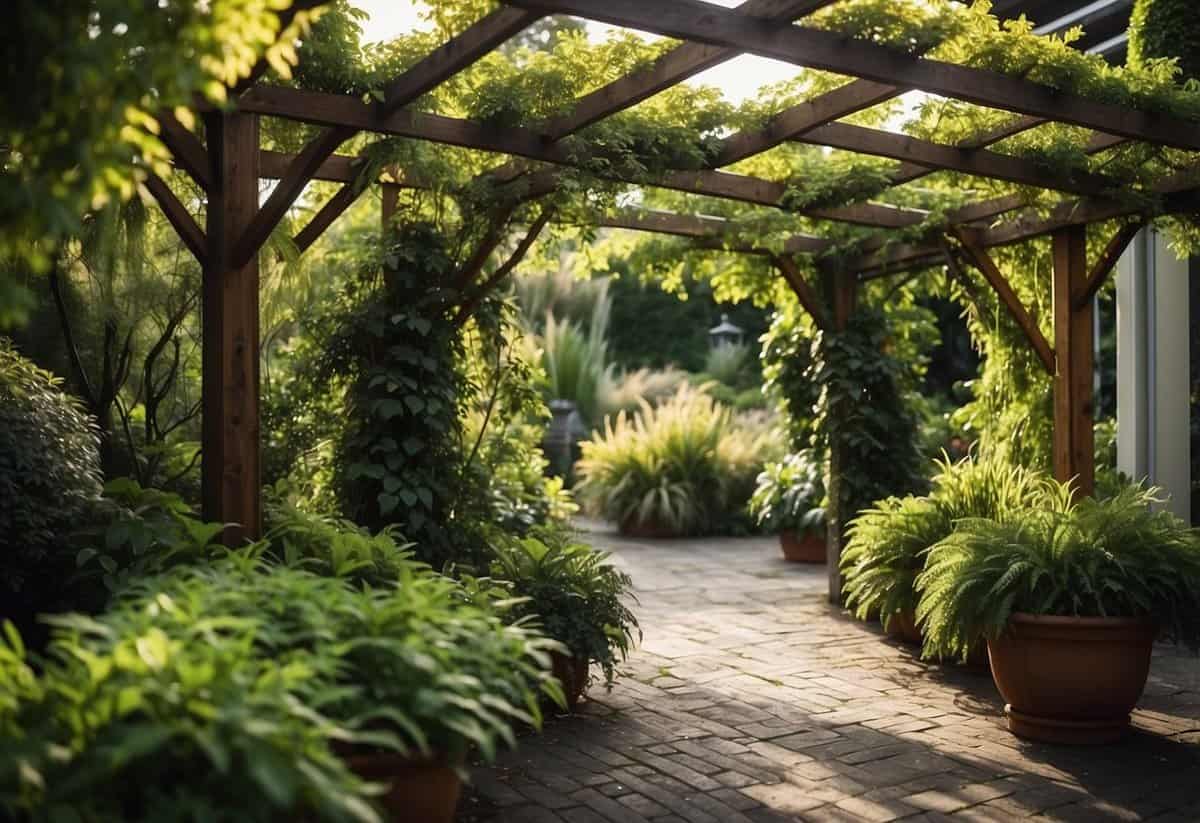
(768, 704)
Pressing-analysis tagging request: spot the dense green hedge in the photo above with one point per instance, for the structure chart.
(1166, 28)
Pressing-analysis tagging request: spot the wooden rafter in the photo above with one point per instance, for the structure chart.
(829, 51)
(679, 64)
(715, 232)
(178, 216)
(325, 109)
(1105, 262)
(979, 258)
(979, 161)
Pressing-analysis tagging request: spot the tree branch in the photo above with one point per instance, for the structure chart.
(505, 268)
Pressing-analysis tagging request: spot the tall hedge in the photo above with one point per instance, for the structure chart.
(1166, 28)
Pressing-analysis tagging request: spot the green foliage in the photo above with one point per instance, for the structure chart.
(1163, 29)
(49, 482)
(1090, 558)
(565, 296)
(888, 543)
(85, 131)
(729, 363)
(863, 412)
(685, 466)
(155, 712)
(790, 495)
(331, 547)
(576, 366)
(574, 592)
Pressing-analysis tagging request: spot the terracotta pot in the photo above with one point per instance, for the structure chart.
(572, 672)
(805, 547)
(652, 530)
(417, 791)
(1071, 679)
(903, 626)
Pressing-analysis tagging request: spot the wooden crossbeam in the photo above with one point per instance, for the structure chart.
(677, 65)
(297, 175)
(980, 162)
(339, 168)
(189, 153)
(805, 293)
(829, 51)
(324, 109)
(704, 228)
(178, 216)
(979, 258)
(1108, 258)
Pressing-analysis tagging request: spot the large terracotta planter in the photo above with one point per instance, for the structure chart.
(1071, 679)
(417, 791)
(903, 626)
(805, 547)
(572, 672)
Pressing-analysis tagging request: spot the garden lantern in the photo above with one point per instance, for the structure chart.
(725, 333)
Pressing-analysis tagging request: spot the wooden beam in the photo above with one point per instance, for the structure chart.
(333, 109)
(982, 260)
(1074, 457)
(460, 52)
(339, 168)
(830, 51)
(294, 179)
(1104, 264)
(230, 461)
(809, 300)
(323, 219)
(843, 287)
(178, 216)
(189, 153)
(796, 121)
(979, 162)
(677, 65)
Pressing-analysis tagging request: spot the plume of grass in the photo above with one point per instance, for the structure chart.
(727, 362)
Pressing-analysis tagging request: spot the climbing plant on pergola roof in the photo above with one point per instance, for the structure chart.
(1019, 137)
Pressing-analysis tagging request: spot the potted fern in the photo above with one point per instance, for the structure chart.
(578, 598)
(789, 500)
(1070, 596)
(888, 543)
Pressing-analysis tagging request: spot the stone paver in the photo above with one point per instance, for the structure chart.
(751, 699)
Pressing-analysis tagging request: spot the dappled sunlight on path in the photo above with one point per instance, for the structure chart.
(752, 699)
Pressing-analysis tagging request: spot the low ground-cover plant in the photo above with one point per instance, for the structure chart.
(1079, 558)
(683, 467)
(888, 543)
(574, 592)
(790, 495)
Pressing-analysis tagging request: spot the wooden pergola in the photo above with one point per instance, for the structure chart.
(229, 163)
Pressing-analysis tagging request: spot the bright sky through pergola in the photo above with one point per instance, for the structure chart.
(738, 79)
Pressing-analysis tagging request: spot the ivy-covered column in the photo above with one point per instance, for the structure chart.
(842, 288)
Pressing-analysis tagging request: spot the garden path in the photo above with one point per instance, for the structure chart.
(750, 698)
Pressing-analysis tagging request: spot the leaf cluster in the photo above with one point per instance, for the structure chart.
(790, 495)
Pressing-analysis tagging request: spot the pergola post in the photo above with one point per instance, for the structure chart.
(1073, 436)
(230, 466)
(843, 291)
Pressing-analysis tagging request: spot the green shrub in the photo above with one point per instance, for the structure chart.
(729, 363)
(888, 543)
(629, 389)
(684, 466)
(574, 592)
(155, 714)
(576, 366)
(790, 495)
(1165, 28)
(234, 677)
(49, 484)
(1090, 558)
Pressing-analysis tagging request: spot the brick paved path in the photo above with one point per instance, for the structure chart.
(751, 699)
